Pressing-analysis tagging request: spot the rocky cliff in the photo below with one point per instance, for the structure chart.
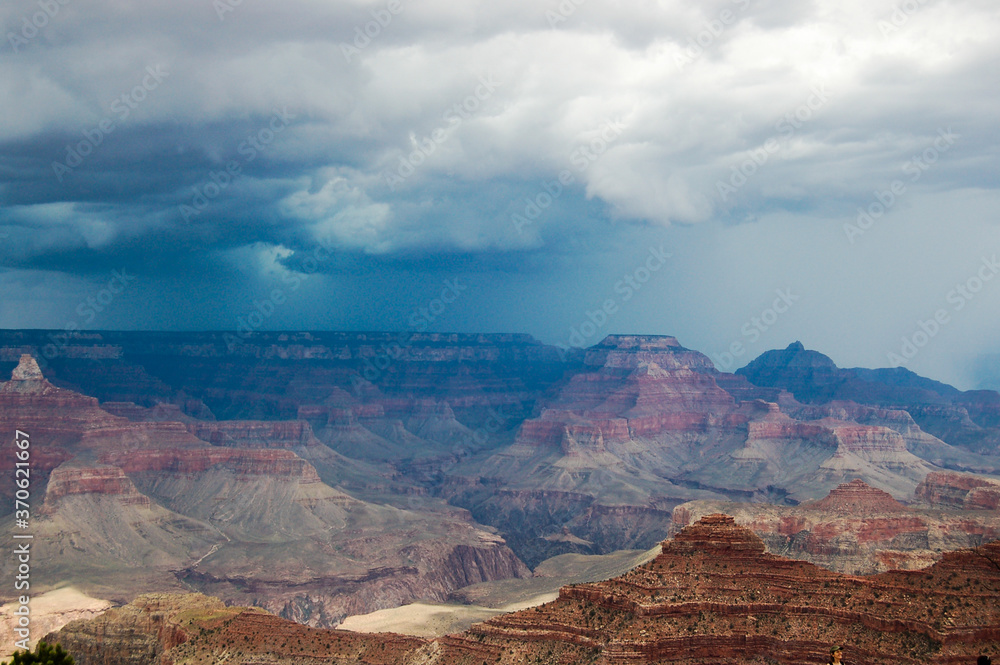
(255, 434)
(857, 498)
(966, 420)
(959, 490)
(124, 505)
(302, 446)
(647, 426)
(713, 595)
(855, 529)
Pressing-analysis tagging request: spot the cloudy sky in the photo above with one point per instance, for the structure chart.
(740, 174)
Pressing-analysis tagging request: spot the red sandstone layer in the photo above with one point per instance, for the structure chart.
(959, 490)
(713, 595)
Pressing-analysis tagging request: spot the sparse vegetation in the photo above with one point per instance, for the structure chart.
(44, 654)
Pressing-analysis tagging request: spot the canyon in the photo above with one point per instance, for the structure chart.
(320, 475)
(712, 594)
(130, 506)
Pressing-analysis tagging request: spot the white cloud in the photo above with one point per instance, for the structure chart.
(341, 215)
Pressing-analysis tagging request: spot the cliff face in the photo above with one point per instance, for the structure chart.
(49, 612)
(647, 425)
(857, 498)
(966, 420)
(137, 504)
(325, 594)
(959, 490)
(280, 463)
(141, 632)
(161, 629)
(713, 595)
(255, 434)
(856, 529)
(336, 452)
(108, 481)
(269, 376)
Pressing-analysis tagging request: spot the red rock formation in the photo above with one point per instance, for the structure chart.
(714, 592)
(613, 448)
(959, 490)
(249, 517)
(255, 433)
(62, 424)
(632, 396)
(965, 420)
(249, 462)
(649, 421)
(719, 534)
(856, 529)
(635, 420)
(62, 419)
(111, 481)
(164, 629)
(713, 595)
(857, 498)
(866, 438)
(983, 498)
(27, 370)
(785, 428)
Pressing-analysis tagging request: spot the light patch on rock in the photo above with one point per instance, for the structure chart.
(50, 611)
(27, 370)
(432, 619)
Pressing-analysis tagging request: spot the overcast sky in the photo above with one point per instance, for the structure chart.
(694, 168)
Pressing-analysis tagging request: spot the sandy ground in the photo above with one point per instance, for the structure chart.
(49, 611)
(430, 619)
(488, 599)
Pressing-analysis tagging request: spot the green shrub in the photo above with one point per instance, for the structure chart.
(44, 654)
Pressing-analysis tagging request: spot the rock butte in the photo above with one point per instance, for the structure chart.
(859, 529)
(857, 498)
(647, 424)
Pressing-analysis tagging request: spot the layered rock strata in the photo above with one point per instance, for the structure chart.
(648, 426)
(125, 505)
(856, 529)
(959, 490)
(713, 595)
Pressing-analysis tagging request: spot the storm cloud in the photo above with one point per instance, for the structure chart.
(367, 151)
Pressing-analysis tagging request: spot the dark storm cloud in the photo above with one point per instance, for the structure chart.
(226, 141)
